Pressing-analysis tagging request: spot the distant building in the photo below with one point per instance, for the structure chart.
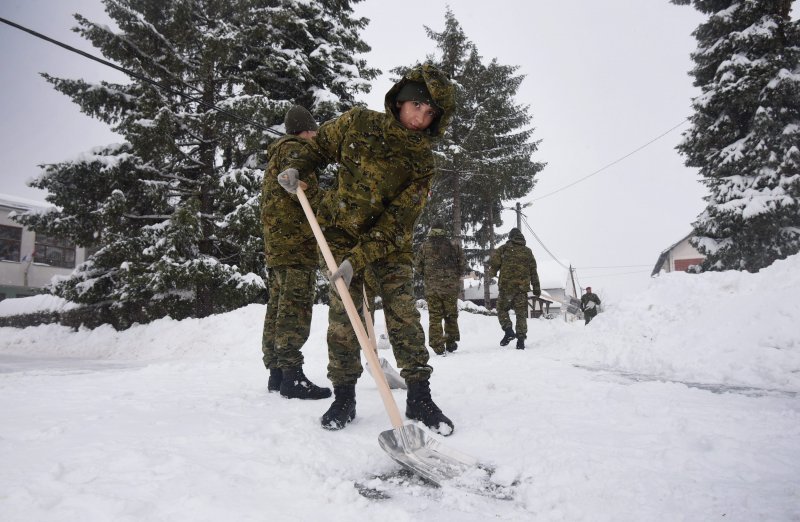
(29, 261)
(678, 258)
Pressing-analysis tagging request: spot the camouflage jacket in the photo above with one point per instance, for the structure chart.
(384, 173)
(440, 262)
(288, 239)
(516, 265)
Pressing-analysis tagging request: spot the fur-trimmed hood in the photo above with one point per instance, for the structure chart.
(441, 89)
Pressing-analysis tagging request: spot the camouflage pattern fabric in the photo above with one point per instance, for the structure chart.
(287, 324)
(394, 285)
(516, 300)
(288, 240)
(442, 309)
(440, 262)
(291, 254)
(383, 178)
(589, 313)
(517, 267)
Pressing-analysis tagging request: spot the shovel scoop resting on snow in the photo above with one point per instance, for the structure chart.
(408, 445)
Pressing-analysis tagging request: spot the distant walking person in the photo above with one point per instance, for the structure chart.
(589, 304)
(291, 253)
(517, 268)
(440, 262)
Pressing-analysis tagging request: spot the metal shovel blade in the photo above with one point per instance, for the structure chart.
(415, 450)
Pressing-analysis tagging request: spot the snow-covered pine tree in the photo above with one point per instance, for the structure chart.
(486, 155)
(745, 133)
(173, 211)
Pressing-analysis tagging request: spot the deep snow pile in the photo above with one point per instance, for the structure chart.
(731, 328)
(679, 404)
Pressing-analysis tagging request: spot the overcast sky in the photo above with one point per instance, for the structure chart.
(602, 80)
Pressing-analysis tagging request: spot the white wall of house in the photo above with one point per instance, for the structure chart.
(20, 275)
(682, 253)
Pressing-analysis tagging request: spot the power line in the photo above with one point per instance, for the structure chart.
(525, 220)
(206, 105)
(619, 274)
(613, 162)
(613, 266)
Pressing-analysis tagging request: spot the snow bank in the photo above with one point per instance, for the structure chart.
(730, 328)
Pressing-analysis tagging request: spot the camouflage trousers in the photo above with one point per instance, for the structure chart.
(588, 315)
(442, 306)
(517, 300)
(287, 323)
(393, 284)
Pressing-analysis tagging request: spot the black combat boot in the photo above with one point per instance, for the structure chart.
(343, 409)
(420, 406)
(295, 385)
(275, 378)
(452, 346)
(508, 336)
(520, 342)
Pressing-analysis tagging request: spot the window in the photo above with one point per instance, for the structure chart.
(10, 242)
(54, 251)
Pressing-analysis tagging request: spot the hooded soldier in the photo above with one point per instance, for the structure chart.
(385, 169)
(517, 267)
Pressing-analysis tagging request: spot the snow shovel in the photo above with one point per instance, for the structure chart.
(573, 306)
(392, 377)
(407, 444)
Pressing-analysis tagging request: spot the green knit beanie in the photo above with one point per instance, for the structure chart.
(298, 119)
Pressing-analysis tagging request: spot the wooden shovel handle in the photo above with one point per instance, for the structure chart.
(352, 313)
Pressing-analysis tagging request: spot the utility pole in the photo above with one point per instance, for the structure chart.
(519, 216)
(574, 289)
(572, 278)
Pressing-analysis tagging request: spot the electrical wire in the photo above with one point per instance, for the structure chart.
(613, 266)
(523, 219)
(205, 105)
(620, 274)
(598, 171)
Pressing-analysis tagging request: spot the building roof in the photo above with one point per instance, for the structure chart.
(665, 253)
(18, 203)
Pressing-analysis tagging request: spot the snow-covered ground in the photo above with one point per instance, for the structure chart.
(680, 404)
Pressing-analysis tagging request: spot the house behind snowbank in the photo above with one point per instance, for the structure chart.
(29, 261)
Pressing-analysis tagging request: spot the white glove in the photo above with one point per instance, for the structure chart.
(289, 179)
(345, 271)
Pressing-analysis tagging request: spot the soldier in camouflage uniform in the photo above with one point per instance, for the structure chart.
(386, 166)
(440, 262)
(291, 253)
(517, 268)
(589, 304)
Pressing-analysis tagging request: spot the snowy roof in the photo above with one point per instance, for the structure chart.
(19, 203)
(665, 253)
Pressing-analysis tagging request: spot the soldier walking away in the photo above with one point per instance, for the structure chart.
(440, 262)
(291, 253)
(589, 304)
(385, 168)
(517, 268)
